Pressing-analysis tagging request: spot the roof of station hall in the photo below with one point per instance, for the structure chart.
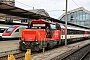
(16, 11)
(40, 11)
(74, 10)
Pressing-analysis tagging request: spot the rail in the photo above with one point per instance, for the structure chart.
(77, 54)
(85, 55)
(18, 56)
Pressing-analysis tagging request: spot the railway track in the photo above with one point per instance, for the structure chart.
(79, 54)
(21, 55)
(86, 56)
(18, 56)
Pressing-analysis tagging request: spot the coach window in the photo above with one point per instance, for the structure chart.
(68, 31)
(77, 31)
(2, 30)
(74, 32)
(62, 31)
(17, 30)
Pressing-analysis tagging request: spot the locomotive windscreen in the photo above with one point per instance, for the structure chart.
(53, 26)
(38, 26)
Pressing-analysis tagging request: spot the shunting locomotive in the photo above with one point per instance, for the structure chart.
(47, 34)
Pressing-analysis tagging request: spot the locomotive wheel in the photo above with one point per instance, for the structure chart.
(48, 46)
(37, 48)
(20, 48)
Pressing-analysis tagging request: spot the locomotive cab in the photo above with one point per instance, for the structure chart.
(49, 27)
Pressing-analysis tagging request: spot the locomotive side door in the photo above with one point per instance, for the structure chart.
(55, 30)
(50, 30)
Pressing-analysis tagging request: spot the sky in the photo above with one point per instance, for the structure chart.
(53, 7)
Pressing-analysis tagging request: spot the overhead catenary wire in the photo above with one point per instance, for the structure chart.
(25, 4)
(55, 10)
(88, 1)
(75, 3)
(54, 2)
(57, 5)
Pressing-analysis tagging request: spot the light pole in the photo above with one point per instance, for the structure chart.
(66, 25)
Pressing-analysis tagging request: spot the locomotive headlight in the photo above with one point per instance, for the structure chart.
(37, 43)
(23, 42)
(36, 40)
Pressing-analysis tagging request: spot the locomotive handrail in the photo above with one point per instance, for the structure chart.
(39, 36)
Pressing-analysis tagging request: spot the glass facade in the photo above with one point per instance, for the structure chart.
(79, 17)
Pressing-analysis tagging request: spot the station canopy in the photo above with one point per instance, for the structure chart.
(16, 11)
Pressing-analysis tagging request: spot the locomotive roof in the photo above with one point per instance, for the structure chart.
(42, 21)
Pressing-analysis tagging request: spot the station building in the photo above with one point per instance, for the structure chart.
(79, 16)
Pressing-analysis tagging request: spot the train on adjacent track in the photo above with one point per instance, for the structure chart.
(2, 29)
(13, 31)
(45, 34)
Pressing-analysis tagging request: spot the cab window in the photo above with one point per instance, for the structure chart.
(53, 26)
(17, 30)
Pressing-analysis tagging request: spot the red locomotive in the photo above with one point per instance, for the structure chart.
(43, 33)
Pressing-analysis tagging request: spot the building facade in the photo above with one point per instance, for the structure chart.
(10, 2)
(79, 16)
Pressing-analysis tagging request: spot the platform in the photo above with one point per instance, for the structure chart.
(8, 45)
(61, 50)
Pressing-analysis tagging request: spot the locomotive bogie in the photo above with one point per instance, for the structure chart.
(34, 46)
